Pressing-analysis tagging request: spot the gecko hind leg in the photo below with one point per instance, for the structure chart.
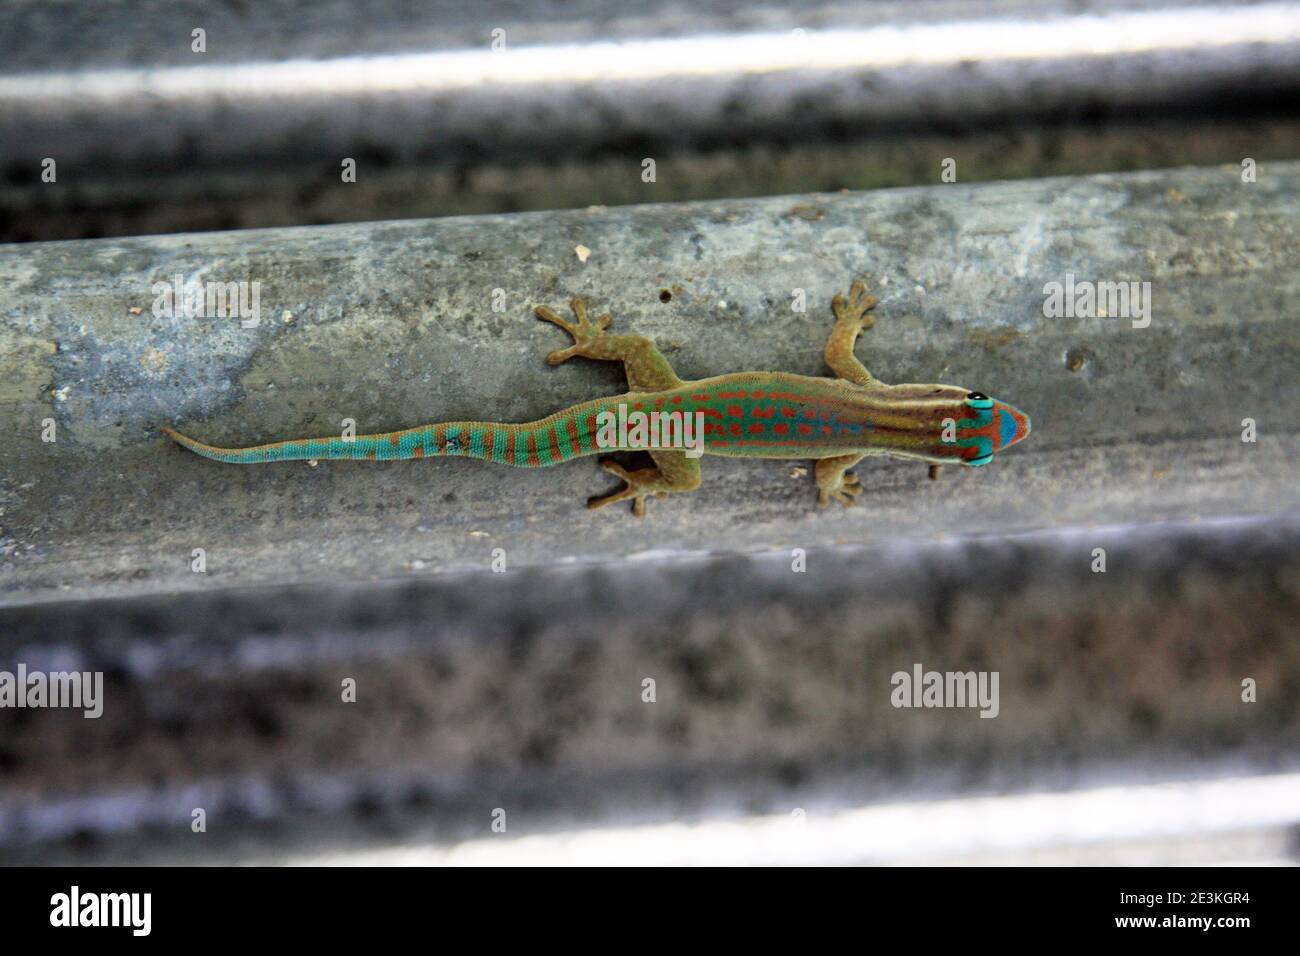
(852, 315)
(673, 473)
(647, 369)
(835, 481)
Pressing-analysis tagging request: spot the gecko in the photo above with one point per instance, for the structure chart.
(835, 421)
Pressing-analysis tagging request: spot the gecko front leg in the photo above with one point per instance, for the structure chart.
(852, 315)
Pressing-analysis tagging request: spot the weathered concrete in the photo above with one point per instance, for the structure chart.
(391, 324)
(151, 137)
(282, 84)
(772, 690)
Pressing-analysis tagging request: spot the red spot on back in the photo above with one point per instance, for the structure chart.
(805, 430)
(735, 428)
(781, 428)
(735, 411)
(756, 428)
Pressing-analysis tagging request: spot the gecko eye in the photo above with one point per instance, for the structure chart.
(978, 400)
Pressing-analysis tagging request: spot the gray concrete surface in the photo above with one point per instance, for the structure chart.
(391, 324)
(523, 691)
(150, 137)
(98, 202)
(146, 99)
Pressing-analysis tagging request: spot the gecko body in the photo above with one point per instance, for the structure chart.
(836, 421)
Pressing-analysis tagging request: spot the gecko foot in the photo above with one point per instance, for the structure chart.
(856, 308)
(846, 492)
(584, 331)
(639, 485)
(835, 481)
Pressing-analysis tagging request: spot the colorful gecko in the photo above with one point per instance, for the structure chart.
(837, 421)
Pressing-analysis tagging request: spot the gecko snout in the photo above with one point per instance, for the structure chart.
(1013, 425)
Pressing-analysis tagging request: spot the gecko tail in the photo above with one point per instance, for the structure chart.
(388, 446)
(460, 439)
(276, 451)
(548, 441)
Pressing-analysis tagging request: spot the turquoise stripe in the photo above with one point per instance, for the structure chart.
(1007, 430)
(562, 439)
(542, 442)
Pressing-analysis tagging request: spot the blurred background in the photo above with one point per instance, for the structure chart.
(503, 718)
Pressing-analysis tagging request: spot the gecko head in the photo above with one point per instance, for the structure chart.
(987, 427)
(944, 424)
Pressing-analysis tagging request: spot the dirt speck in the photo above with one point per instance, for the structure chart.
(994, 338)
(154, 361)
(808, 213)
